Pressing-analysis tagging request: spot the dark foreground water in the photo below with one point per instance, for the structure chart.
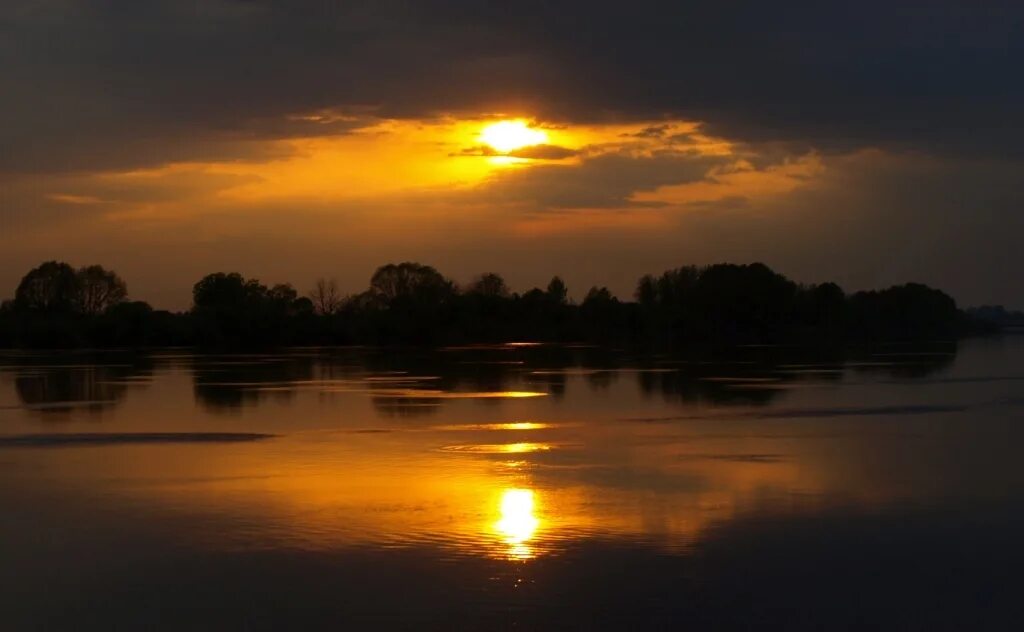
(514, 487)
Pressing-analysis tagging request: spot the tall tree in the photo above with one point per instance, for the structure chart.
(490, 284)
(225, 290)
(557, 290)
(51, 287)
(409, 281)
(98, 290)
(326, 297)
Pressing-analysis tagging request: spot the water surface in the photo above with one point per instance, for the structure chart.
(514, 486)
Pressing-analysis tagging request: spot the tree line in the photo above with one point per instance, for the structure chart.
(57, 306)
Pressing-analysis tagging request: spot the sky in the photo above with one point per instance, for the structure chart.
(869, 143)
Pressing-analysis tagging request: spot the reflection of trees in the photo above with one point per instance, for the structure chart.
(488, 369)
(229, 382)
(757, 376)
(400, 382)
(406, 406)
(484, 369)
(54, 384)
(553, 382)
(601, 380)
(448, 371)
(701, 383)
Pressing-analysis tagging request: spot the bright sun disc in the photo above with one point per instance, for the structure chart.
(506, 136)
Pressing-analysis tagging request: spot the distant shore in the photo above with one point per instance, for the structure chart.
(57, 306)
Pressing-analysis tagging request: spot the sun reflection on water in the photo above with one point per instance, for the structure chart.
(518, 524)
(500, 448)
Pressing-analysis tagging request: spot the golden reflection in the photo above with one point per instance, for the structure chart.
(517, 524)
(515, 425)
(438, 394)
(518, 425)
(514, 394)
(319, 490)
(522, 447)
(506, 136)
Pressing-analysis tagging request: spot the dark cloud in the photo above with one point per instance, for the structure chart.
(543, 152)
(100, 83)
(531, 152)
(652, 131)
(600, 181)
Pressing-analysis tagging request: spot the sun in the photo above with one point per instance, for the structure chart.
(506, 136)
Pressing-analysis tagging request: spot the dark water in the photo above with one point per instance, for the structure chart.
(514, 487)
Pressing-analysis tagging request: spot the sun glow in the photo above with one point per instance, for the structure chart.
(506, 136)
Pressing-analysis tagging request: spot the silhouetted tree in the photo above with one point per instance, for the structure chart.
(325, 296)
(557, 291)
(135, 323)
(598, 295)
(232, 311)
(720, 302)
(413, 302)
(910, 311)
(52, 287)
(482, 313)
(748, 303)
(822, 310)
(409, 281)
(283, 294)
(647, 291)
(491, 285)
(222, 290)
(603, 317)
(98, 290)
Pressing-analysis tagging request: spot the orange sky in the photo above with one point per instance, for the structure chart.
(394, 189)
(599, 204)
